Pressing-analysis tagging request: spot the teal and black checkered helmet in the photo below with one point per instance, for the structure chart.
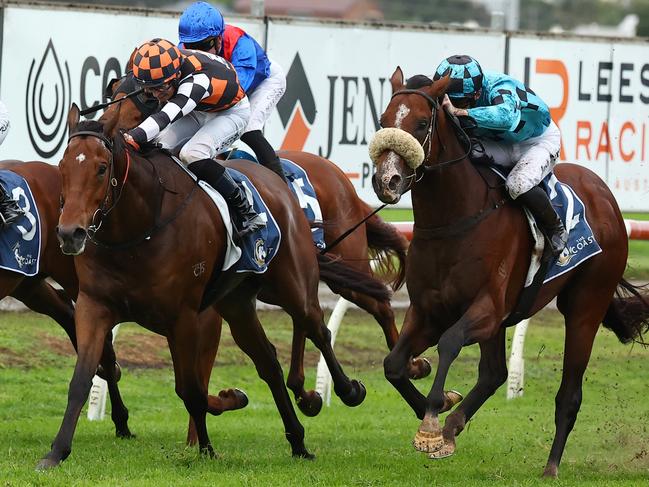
(466, 76)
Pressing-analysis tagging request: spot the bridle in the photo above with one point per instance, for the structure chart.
(426, 166)
(112, 192)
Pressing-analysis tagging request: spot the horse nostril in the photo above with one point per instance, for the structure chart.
(395, 182)
(79, 234)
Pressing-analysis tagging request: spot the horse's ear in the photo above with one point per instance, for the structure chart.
(129, 64)
(109, 91)
(397, 80)
(73, 118)
(439, 87)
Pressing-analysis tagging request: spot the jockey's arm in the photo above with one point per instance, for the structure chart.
(244, 60)
(503, 114)
(4, 122)
(189, 94)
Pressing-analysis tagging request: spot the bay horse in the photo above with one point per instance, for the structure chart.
(341, 209)
(157, 244)
(38, 295)
(468, 260)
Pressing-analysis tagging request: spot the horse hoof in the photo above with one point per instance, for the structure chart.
(429, 436)
(208, 451)
(304, 454)
(451, 398)
(46, 464)
(428, 442)
(124, 434)
(356, 396)
(241, 396)
(419, 368)
(446, 450)
(551, 471)
(310, 404)
(101, 372)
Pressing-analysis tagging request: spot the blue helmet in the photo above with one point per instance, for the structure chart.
(198, 22)
(466, 76)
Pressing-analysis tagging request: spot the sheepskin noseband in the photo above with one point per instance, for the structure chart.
(400, 142)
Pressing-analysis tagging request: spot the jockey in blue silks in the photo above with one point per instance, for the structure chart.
(202, 28)
(501, 109)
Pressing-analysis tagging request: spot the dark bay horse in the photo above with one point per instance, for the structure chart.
(341, 209)
(158, 242)
(37, 294)
(468, 261)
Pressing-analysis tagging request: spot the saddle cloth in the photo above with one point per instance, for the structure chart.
(20, 242)
(303, 190)
(254, 252)
(572, 211)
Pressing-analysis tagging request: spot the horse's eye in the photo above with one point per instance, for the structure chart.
(422, 124)
(101, 170)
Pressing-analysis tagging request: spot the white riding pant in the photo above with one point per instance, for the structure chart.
(203, 135)
(536, 159)
(265, 97)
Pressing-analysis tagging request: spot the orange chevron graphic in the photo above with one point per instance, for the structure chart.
(297, 133)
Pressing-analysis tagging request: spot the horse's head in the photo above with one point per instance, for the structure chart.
(88, 180)
(407, 138)
(128, 113)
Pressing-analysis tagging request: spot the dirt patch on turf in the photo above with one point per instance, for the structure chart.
(143, 351)
(9, 358)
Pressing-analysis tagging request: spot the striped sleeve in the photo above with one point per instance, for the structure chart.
(190, 92)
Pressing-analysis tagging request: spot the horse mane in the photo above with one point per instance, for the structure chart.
(418, 81)
(88, 126)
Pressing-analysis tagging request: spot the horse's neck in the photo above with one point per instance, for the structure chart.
(445, 195)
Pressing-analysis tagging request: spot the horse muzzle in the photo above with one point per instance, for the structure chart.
(72, 239)
(387, 192)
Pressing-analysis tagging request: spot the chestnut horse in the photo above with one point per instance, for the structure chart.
(158, 245)
(468, 260)
(45, 183)
(341, 209)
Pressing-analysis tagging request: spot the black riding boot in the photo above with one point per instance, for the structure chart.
(536, 200)
(9, 209)
(264, 152)
(216, 176)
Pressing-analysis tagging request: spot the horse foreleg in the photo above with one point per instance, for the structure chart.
(309, 402)
(492, 373)
(185, 347)
(413, 340)
(479, 317)
(250, 337)
(210, 325)
(93, 321)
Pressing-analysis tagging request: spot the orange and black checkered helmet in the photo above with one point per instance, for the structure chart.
(156, 62)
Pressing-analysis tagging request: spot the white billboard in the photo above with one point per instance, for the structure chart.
(598, 92)
(338, 84)
(67, 56)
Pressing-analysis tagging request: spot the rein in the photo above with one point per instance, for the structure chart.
(96, 108)
(102, 212)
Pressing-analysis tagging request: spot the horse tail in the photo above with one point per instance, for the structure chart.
(338, 275)
(388, 250)
(628, 314)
